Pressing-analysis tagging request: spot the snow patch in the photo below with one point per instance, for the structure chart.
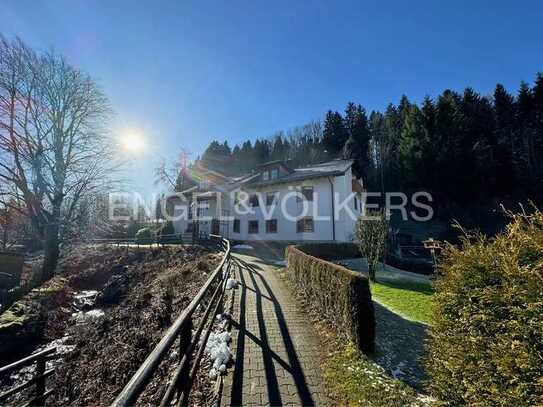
(243, 247)
(92, 315)
(397, 372)
(219, 352)
(231, 283)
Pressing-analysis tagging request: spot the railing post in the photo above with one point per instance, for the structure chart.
(185, 339)
(40, 382)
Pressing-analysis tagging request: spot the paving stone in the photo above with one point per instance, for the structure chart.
(276, 349)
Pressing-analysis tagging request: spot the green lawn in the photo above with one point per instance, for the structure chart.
(409, 298)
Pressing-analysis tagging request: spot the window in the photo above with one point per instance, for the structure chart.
(271, 226)
(253, 200)
(305, 225)
(355, 203)
(236, 225)
(271, 198)
(265, 176)
(307, 192)
(253, 226)
(274, 173)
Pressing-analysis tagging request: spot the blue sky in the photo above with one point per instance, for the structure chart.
(186, 72)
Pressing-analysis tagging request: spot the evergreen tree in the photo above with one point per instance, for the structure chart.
(335, 134)
(525, 118)
(412, 144)
(506, 136)
(357, 145)
(378, 151)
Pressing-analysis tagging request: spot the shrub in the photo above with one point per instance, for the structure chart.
(371, 232)
(419, 266)
(342, 297)
(486, 344)
(144, 236)
(167, 229)
(332, 251)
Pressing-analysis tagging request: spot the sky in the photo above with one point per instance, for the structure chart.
(182, 73)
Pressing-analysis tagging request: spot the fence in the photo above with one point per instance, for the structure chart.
(211, 294)
(179, 238)
(41, 392)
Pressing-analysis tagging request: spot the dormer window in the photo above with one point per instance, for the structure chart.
(274, 173)
(265, 176)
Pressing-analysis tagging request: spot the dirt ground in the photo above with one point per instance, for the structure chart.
(135, 295)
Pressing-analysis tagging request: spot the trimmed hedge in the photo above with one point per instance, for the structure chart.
(331, 251)
(144, 236)
(418, 266)
(341, 296)
(486, 344)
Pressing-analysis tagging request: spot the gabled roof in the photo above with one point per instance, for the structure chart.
(327, 169)
(276, 163)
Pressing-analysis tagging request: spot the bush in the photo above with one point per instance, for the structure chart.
(167, 229)
(144, 236)
(342, 297)
(486, 344)
(332, 251)
(418, 266)
(371, 233)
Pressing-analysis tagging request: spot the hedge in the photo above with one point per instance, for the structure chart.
(486, 344)
(341, 296)
(144, 236)
(331, 251)
(347, 250)
(418, 266)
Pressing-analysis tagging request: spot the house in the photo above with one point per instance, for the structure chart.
(274, 203)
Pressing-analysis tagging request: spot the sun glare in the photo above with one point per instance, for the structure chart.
(132, 142)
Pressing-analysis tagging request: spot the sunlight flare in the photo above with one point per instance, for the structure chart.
(132, 141)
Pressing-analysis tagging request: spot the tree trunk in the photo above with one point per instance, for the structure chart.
(371, 272)
(51, 246)
(5, 238)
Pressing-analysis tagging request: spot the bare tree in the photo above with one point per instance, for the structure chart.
(371, 233)
(53, 145)
(171, 174)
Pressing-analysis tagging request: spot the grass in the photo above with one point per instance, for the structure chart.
(407, 298)
(354, 379)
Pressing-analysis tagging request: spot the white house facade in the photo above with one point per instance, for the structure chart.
(275, 203)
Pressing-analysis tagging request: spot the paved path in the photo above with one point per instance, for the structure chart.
(276, 352)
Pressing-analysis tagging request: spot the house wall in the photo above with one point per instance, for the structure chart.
(321, 207)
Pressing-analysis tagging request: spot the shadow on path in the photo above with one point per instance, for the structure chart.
(282, 379)
(399, 346)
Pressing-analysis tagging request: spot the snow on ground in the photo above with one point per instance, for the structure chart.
(243, 247)
(231, 283)
(218, 350)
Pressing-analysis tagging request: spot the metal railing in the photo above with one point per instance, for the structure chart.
(177, 238)
(178, 388)
(41, 393)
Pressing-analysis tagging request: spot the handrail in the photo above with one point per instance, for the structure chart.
(182, 325)
(157, 239)
(25, 361)
(39, 378)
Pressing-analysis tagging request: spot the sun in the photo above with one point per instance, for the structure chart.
(132, 142)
